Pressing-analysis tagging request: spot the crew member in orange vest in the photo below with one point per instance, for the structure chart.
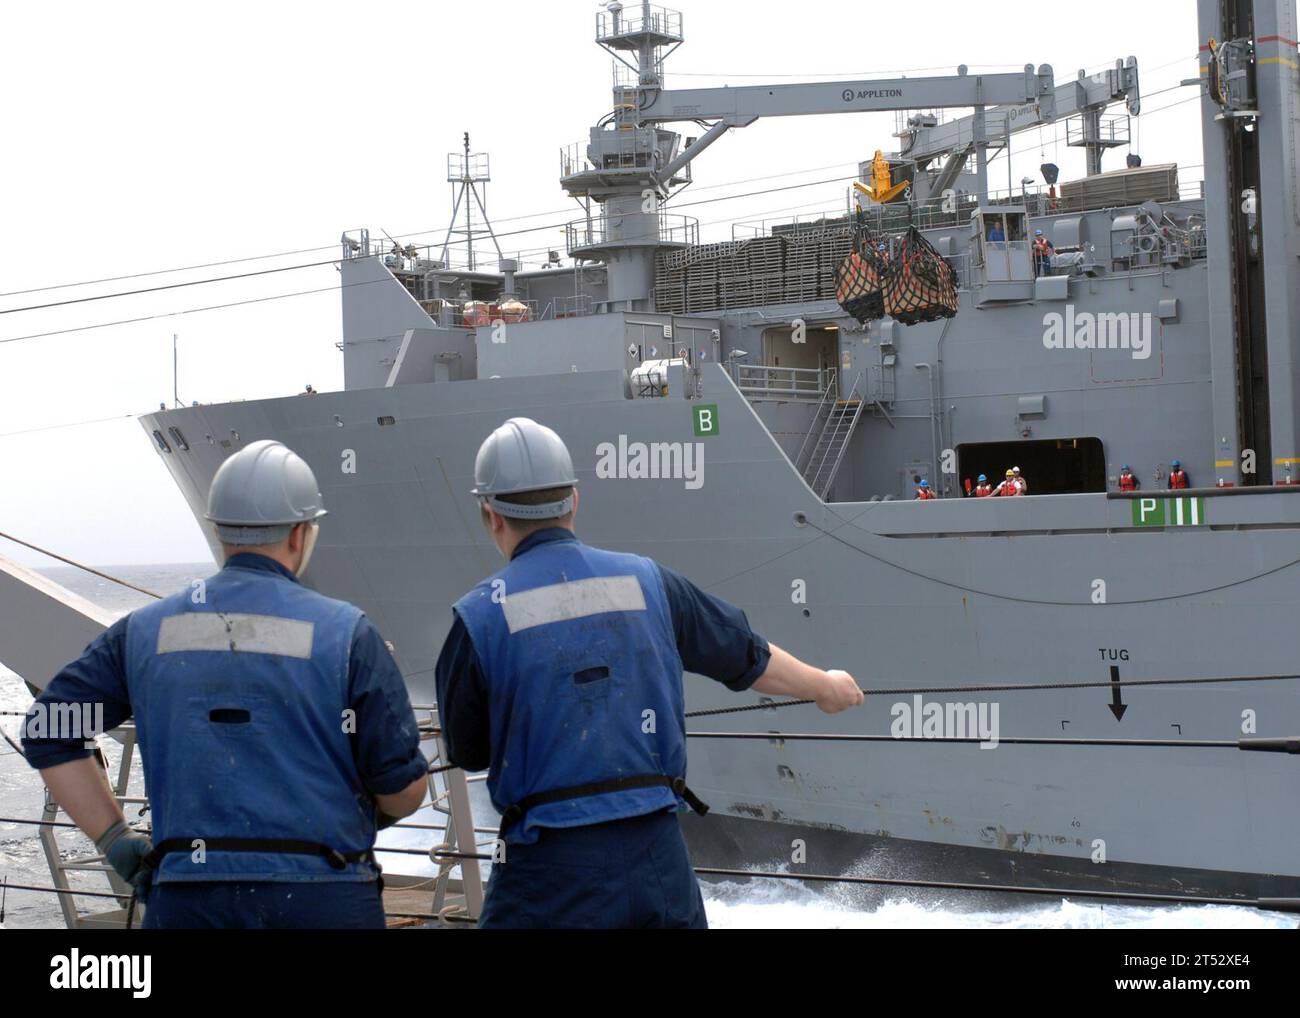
(923, 489)
(1127, 480)
(1009, 486)
(983, 489)
(1043, 251)
(1178, 476)
(1021, 483)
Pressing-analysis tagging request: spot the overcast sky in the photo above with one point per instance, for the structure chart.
(150, 136)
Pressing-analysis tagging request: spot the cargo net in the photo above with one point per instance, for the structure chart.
(859, 278)
(916, 285)
(919, 286)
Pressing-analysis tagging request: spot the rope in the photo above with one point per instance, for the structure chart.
(1032, 600)
(1006, 687)
(1265, 745)
(79, 565)
(60, 890)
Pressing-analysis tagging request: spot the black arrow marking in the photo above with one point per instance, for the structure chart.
(1117, 707)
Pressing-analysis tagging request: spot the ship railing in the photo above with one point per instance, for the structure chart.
(1112, 130)
(771, 382)
(455, 893)
(951, 209)
(552, 308)
(356, 244)
(620, 149)
(420, 259)
(798, 225)
(573, 159)
(615, 24)
(660, 228)
(451, 314)
(626, 81)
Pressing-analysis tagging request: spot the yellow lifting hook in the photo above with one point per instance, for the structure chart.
(882, 187)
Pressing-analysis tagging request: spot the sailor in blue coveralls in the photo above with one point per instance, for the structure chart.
(562, 676)
(275, 729)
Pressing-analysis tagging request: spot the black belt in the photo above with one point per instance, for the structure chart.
(514, 813)
(276, 846)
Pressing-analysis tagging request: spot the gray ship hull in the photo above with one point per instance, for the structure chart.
(952, 593)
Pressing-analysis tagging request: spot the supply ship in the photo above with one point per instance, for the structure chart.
(730, 418)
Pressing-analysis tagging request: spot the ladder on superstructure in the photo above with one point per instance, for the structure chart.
(838, 418)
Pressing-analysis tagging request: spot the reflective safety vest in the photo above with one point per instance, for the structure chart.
(239, 706)
(1178, 479)
(924, 493)
(1127, 482)
(1009, 487)
(983, 490)
(584, 688)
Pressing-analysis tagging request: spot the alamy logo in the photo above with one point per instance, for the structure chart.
(75, 971)
(677, 460)
(1086, 330)
(73, 721)
(935, 720)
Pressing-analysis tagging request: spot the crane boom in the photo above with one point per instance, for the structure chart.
(743, 105)
(1088, 93)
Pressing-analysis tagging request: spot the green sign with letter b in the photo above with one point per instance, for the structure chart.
(705, 419)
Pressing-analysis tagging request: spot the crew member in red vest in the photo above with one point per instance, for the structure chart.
(1127, 479)
(1178, 476)
(923, 490)
(1008, 486)
(983, 489)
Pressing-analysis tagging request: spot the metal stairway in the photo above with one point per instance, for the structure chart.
(837, 418)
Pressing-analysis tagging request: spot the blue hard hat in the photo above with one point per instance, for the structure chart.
(1038, 233)
(1176, 464)
(1125, 467)
(925, 483)
(983, 478)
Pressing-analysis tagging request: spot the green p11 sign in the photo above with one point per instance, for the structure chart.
(705, 420)
(1169, 512)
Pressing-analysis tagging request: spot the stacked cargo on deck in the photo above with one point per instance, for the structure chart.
(776, 269)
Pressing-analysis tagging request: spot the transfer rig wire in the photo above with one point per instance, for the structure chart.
(1005, 687)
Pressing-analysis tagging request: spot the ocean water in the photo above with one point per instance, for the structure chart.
(756, 904)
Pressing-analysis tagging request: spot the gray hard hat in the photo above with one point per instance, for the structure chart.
(259, 493)
(521, 456)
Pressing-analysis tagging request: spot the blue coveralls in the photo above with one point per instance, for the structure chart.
(562, 676)
(267, 713)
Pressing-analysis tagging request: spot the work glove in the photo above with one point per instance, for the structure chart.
(125, 849)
